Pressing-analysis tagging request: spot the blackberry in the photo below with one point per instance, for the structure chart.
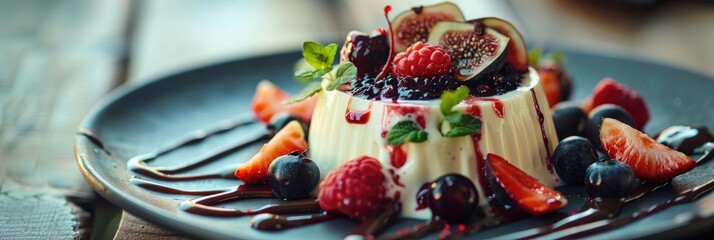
(427, 88)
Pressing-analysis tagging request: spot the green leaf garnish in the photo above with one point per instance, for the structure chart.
(346, 72)
(405, 131)
(461, 124)
(466, 126)
(306, 77)
(558, 57)
(318, 56)
(308, 91)
(316, 63)
(534, 56)
(451, 99)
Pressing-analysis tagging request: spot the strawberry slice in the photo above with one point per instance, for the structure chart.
(650, 160)
(551, 86)
(290, 138)
(527, 192)
(268, 101)
(609, 91)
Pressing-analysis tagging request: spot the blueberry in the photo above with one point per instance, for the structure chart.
(569, 120)
(452, 198)
(572, 157)
(278, 121)
(608, 178)
(592, 128)
(293, 176)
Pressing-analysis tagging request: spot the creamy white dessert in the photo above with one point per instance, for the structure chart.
(516, 126)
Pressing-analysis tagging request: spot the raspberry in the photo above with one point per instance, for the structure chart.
(355, 189)
(422, 60)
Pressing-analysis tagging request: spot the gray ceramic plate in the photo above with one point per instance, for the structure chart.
(137, 119)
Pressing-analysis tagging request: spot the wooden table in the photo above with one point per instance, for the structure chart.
(57, 58)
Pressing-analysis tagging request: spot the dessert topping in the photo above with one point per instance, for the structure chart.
(293, 176)
(608, 178)
(405, 131)
(368, 53)
(592, 127)
(609, 91)
(422, 60)
(473, 56)
(517, 51)
(451, 198)
(572, 157)
(320, 59)
(414, 25)
(650, 160)
(528, 193)
(267, 102)
(569, 120)
(459, 124)
(289, 139)
(355, 189)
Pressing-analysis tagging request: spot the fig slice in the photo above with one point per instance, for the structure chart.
(517, 53)
(415, 24)
(475, 50)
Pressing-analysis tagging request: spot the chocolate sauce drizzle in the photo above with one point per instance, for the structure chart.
(597, 215)
(138, 164)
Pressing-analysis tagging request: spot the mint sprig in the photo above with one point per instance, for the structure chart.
(405, 131)
(309, 90)
(321, 58)
(461, 124)
(346, 72)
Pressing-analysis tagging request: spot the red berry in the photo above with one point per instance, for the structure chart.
(355, 189)
(528, 193)
(422, 60)
(650, 160)
(609, 91)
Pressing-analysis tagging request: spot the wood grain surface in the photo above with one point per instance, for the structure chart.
(55, 63)
(57, 58)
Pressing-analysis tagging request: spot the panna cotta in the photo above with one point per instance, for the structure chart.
(516, 125)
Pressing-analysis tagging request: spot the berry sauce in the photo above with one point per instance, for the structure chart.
(426, 88)
(357, 116)
(541, 120)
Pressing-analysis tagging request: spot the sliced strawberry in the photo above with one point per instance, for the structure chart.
(527, 192)
(290, 138)
(268, 101)
(609, 91)
(650, 160)
(551, 86)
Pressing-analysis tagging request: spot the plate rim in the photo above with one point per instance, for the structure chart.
(164, 218)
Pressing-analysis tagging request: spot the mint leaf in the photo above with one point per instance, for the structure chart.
(466, 126)
(330, 53)
(346, 72)
(451, 99)
(308, 91)
(558, 57)
(405, 131)
(534, 56)
(314, 54)
(306, 77)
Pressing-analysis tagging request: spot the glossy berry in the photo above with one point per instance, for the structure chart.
(280, 120)
(293, 176)
(608, 178)
(367, 53)
(608, 91)
(452, 198)
(529, 194)
(572, 157)
(422, 60)
(355, 189)
(592, 128)
(650, 160)
(569, 120)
